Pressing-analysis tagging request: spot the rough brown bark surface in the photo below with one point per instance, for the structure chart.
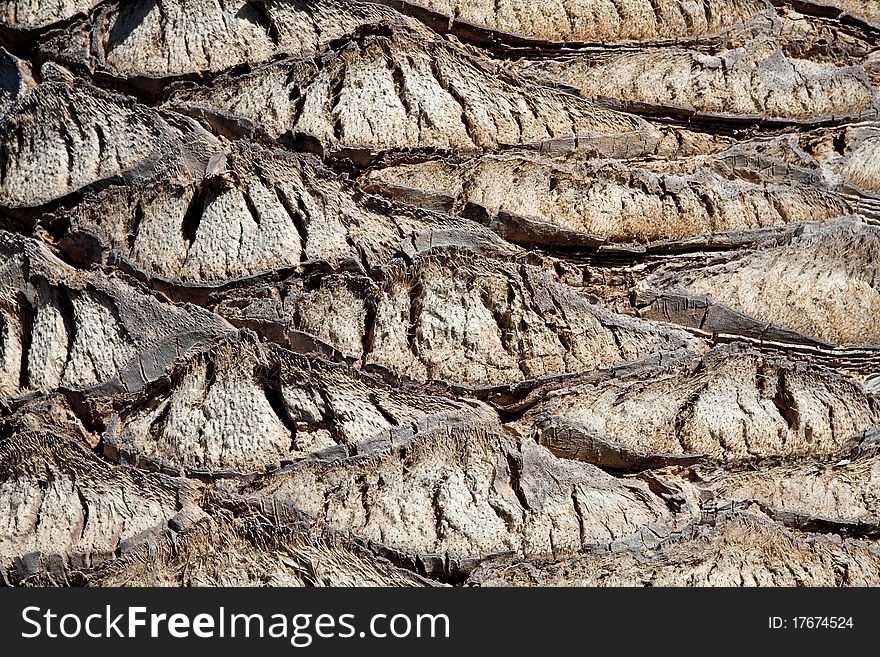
(324, 293)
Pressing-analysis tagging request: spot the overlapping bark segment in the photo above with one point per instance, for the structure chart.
(165, 39)
(63, 327)
(572, 202)
(286, 407)
(64, 134)
(393, 87)
(728, 405)
(816, 284)
(258, 210)
(740, 550)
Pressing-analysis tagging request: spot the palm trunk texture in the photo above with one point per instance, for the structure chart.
(440, 292)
